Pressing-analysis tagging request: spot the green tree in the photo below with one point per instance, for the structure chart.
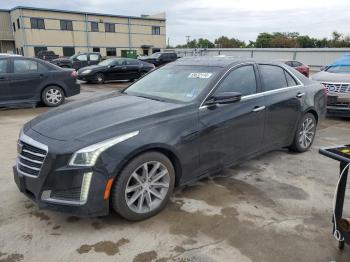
(225, 42)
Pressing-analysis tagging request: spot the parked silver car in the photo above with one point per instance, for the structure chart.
(336, 79)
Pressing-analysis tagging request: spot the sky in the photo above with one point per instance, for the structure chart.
(242, 19)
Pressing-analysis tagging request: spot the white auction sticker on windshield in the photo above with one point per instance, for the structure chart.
(199, 75)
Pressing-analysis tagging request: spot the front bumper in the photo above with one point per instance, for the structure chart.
(62, 188)
(338, 104)
(87, 77)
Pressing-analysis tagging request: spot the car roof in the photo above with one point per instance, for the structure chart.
(220, 61)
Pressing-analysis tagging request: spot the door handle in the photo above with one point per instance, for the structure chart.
(41, 75)
(300, 95)
(2, 78)
(258, 108)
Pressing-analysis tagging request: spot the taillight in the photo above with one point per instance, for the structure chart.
(74, 73)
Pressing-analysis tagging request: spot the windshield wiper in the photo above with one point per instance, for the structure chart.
(149, 97)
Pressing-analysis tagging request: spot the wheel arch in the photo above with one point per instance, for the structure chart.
(161, 148)
(55, 84)
(313, 112)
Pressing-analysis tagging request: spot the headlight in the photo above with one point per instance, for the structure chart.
(87, 156)
(86, 72)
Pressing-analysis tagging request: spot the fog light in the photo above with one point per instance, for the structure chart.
(85, 186)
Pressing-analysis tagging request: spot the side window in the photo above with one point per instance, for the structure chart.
(94, 57)
(273, 77)
(82, 57)
(3, 66)
(42, 68)
(25, 66)
(241, 80)
(131, 62)
(290, 80)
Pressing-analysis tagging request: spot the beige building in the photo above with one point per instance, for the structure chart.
(27, 30)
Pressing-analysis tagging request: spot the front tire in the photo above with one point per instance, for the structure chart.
(305, 134)
(99, 78)
(143, 187)
(52, 96)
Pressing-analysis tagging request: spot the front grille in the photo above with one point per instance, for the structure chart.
(30, 159)
(337, 87)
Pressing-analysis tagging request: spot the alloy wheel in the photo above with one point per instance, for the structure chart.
(147, 187)
(307, 132)
(54, 96)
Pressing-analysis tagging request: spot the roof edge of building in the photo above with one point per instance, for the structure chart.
(83, 13)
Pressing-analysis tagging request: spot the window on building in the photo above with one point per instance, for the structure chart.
(96, 49)
(273, 77)
(37, 49)
(66, 25)
(37, 23)
(111, 51)
(18, 24)
(14, 26)
(94, 27)
(68, 51)
(155, 30)
(25, 66)
(241, 80)
(109, 27)
(3, 66)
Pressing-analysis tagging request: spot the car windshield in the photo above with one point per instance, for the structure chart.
(338, 69)
(155, 55)
(176, 83)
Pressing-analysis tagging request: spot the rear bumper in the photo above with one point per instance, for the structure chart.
(73, 89)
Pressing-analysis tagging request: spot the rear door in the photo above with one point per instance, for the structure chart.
(133, 68)
(5, 91)
(233, 131)
(26, 78)
(284, 96)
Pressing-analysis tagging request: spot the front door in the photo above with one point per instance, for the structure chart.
(117, 71)
(80, 61)
(25, 79)
(233, 131)
(284, 97)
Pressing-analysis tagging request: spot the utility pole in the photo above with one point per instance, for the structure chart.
(188, 39)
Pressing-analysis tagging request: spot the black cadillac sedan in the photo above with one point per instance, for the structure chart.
(115, 69)
(127, 151)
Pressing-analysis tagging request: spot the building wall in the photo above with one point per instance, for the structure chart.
(130, 33)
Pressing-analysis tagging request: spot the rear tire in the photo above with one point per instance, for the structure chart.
(305, 134)
(52, 96)
(99, 78)
(143, 187)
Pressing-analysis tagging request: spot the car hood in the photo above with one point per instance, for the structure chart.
(324, 76)
(99, 117)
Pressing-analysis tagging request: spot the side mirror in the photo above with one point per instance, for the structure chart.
(224, 98)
